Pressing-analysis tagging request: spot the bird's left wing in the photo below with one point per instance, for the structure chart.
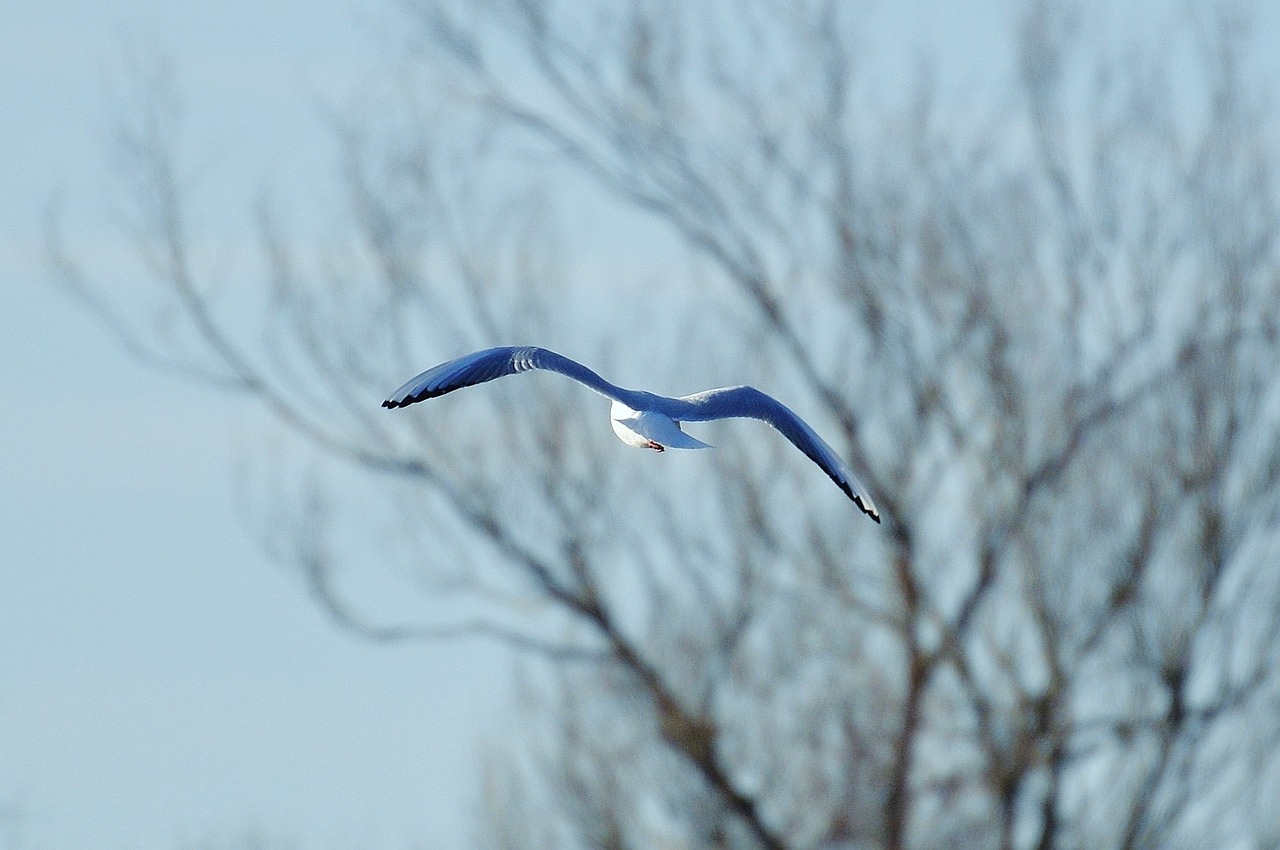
(481, 366)
(750, 403)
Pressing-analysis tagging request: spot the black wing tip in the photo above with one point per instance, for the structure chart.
(393, 403)
(868, 509)
(422, 395)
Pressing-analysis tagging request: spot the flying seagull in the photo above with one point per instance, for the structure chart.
(640, 418)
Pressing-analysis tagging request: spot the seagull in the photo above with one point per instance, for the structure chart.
(641, 419)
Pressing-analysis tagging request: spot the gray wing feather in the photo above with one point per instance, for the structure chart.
(482, 366)
(750, 403)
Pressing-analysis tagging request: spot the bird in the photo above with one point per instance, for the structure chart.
(640, 419)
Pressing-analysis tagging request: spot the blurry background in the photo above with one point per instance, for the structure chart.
(162, 683)
(1018, 261)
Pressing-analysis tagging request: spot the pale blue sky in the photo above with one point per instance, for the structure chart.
(161, 683)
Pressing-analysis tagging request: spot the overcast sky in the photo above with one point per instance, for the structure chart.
(162, 684)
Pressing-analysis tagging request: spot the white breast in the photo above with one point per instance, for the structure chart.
(638, 428)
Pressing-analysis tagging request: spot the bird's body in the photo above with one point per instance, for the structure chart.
(639, 418)
(648, 429)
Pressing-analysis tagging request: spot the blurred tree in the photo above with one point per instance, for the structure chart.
(1047, 335)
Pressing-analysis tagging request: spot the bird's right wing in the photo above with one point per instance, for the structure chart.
(482, 366)
(751, 403)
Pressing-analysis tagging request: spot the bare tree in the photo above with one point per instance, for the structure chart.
(1047, 335)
